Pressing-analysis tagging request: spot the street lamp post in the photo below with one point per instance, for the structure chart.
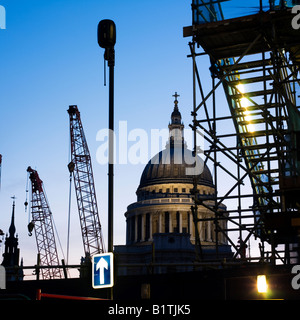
(107, 40)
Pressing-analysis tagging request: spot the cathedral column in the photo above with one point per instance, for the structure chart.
(209, 231)
(135, 228)
(160, 222)
(170, 222)
(201, 230)
(180, 222)
(143, 227)
(150, 231)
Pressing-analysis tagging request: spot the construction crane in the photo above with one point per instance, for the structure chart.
(81, 168)
(43, 226)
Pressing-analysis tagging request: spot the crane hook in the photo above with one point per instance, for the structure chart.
(30, 228)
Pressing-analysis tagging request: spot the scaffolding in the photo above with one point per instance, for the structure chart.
(255, 139)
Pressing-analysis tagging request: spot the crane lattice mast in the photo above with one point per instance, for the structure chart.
(81, 168)
(43, 226)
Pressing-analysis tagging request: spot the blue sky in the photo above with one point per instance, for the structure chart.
(50, 59)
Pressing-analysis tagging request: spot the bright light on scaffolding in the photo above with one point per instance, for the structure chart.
(245, 103)
(262, 286)
(241, 88)
(250, 126)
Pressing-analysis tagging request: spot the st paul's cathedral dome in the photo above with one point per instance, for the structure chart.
(161, 218)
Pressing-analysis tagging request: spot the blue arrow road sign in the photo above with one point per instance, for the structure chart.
(103, 270)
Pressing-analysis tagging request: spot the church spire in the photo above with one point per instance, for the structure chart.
(12, 228)
(12, 252)
(176, 126)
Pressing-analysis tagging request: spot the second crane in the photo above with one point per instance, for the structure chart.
(81, 168)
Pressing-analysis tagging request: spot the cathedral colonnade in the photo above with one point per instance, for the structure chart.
(143, 222)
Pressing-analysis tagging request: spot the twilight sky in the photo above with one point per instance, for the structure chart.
(50, 59)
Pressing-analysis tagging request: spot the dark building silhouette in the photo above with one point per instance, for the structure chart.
(12, 253)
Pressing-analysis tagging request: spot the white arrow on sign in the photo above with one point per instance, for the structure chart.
(102, 264)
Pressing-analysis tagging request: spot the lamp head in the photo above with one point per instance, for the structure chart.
(106, 34)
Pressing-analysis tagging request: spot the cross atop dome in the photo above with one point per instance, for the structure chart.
(176, 95)
(176, 115)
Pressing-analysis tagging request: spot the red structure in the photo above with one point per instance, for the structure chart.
(81, 168)
(43, 226)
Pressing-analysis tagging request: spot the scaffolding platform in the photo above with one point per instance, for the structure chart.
(232, 37)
